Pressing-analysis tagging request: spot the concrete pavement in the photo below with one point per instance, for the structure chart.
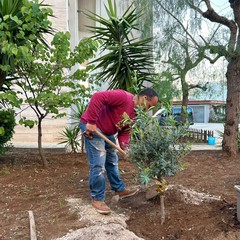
(215, 127)
(35, 145)
(199, 146)
(196, 146)
(205, 146)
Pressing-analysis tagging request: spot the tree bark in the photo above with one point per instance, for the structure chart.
(2, 78)
(40, 149)
(185, 97)
(230, 143)
(184, 108)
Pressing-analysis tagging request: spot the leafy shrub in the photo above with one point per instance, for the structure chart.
(156, 150)
(7, 124)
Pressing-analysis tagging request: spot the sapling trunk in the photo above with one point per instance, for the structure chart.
(161, 187)
(162, 208)
(40, 150)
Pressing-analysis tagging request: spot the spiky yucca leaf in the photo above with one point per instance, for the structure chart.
(69, 137)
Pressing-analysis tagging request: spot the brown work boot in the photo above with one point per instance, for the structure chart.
(101, 207)
(126, 193)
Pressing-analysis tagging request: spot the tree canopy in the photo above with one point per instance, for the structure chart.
(46, 82)
(21, 21)
(196, 16)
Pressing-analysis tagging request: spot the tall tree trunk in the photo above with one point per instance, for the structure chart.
(40, 149)
(185, 96)
(2, 78)
(184, 108)
(229, 143)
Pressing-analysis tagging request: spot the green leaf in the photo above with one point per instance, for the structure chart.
(27, 122)
(14, 51)
(2, 131)
(15, 19)
(6, 17)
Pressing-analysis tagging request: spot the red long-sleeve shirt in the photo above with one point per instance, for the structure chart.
(106, 108)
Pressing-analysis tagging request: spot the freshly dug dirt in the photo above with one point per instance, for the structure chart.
(199, 204)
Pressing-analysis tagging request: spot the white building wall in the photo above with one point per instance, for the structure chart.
(201, 113)
(25, 137)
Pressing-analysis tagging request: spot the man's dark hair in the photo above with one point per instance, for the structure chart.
(149, 92)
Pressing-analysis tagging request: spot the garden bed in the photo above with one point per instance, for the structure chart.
(200, 202)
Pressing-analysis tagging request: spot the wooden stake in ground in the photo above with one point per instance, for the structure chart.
(33, 234)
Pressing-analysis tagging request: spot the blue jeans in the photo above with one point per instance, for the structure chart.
(102, 158)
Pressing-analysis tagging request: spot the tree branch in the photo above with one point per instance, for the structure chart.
(213, 16)
(203, 87)
(179, 22)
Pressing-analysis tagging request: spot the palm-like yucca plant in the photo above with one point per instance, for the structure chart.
(20, 21)
(70, 137)
(80, 108)
(77, 112)
(123, 56)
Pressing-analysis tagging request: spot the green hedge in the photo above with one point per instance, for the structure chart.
(7, 124)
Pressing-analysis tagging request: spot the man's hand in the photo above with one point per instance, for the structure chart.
(125, 156)
(91, 127)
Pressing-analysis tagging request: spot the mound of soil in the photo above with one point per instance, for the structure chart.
(199, 204)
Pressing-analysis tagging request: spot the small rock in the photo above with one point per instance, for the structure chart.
(151, 192)
(115, 199)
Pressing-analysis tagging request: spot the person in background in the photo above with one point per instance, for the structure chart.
(105, 113)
